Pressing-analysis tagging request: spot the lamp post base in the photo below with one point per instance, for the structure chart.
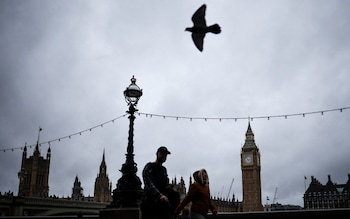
(120, 213)
(128, 193)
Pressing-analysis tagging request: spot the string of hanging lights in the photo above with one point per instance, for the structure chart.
(64, 137)
(251, 118)
(190, 118)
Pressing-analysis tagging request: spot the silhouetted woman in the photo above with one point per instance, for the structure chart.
(199, 195)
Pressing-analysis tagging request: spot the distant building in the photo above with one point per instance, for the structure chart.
(281, 207)
(227, 205)
(77, 190)
(103, 187)
(251, 168)
(179, 187)
(330, 195)
(34, 174)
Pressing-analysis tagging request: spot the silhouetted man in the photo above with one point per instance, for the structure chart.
(155, 203)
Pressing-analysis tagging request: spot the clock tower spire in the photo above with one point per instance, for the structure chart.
(251, 180)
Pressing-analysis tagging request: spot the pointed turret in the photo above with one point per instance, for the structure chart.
(48, 155)
(103, 167)
(103, 188)
(249, 140)
(36, 151)
(24, 155)
(103, 157)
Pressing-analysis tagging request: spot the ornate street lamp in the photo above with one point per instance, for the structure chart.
(129, 192)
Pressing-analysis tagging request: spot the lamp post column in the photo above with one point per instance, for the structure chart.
(130, 148)
(129, 192)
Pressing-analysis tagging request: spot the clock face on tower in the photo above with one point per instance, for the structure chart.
(248, 159)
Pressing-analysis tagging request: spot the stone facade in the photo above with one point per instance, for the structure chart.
(34, 174)
(328, 196)
(77, 190)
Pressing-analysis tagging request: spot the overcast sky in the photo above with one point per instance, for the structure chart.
(65, 64)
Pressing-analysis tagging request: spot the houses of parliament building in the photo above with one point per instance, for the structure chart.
(34, 179)
(34, 175)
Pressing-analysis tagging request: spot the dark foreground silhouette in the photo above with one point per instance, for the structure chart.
(200, 28)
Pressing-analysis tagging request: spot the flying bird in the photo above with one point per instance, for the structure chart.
(200, 27)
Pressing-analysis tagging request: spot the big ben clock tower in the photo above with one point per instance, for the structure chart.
(251, 180)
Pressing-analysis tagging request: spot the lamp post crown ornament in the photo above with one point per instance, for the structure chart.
(132, 93)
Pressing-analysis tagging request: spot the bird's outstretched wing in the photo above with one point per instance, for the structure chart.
(198, 39)
(198, 17)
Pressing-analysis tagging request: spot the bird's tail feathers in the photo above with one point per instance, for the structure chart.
(215, 28)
